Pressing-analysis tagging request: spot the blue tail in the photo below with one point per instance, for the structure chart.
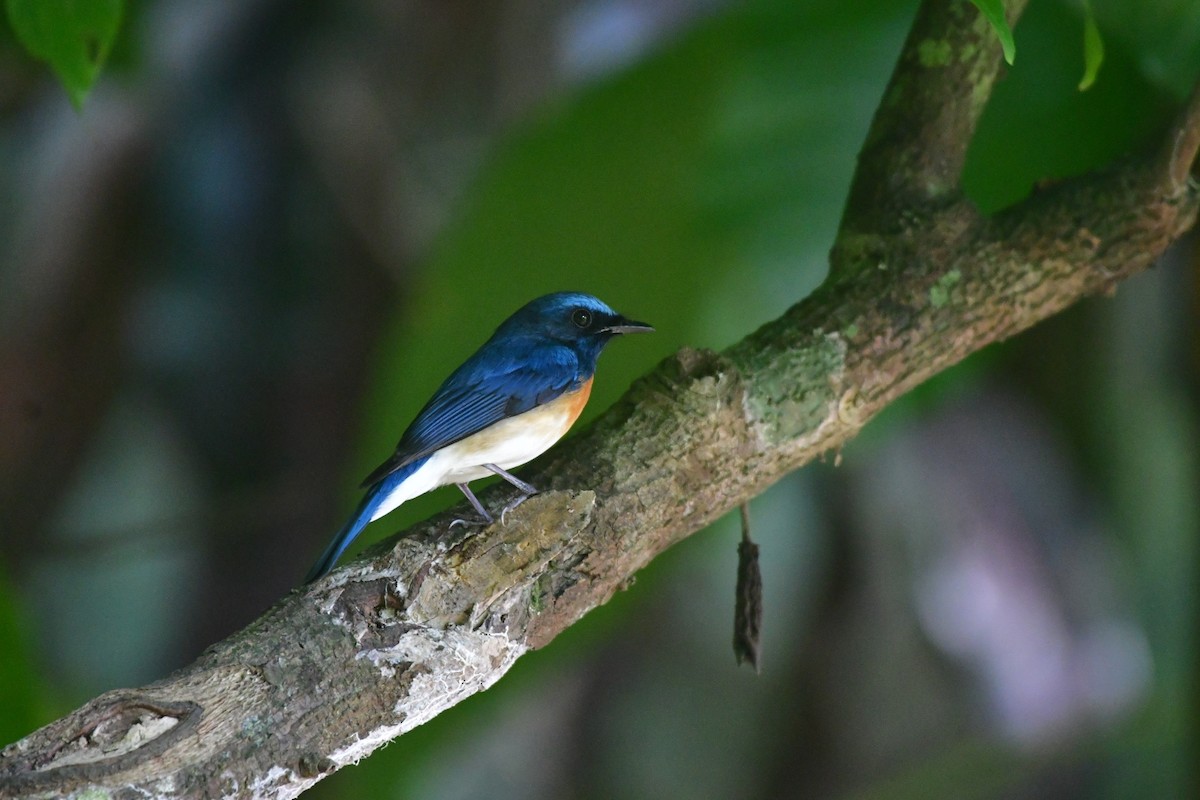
(359, 519)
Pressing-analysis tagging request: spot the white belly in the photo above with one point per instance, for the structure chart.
(507, 444)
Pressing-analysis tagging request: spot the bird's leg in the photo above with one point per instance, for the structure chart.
(528, 489)
(478, 506)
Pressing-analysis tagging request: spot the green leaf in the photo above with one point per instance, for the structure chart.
(74, 36)
(1093, 48)
(993, 11)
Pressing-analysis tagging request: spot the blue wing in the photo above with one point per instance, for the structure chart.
(501, 380)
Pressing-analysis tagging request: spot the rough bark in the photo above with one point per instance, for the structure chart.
(920, 280)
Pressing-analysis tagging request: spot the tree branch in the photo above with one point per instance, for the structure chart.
(336, 669)
(1178, 158)
(918, 140)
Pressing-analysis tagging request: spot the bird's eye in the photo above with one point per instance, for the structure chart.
(581, 317)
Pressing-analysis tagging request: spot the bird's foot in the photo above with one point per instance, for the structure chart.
(511, 506)
(485, 518)
(481, 522)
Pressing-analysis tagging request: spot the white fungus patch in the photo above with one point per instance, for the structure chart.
(452, 665)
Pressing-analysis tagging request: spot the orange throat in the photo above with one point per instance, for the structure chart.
(577, 400)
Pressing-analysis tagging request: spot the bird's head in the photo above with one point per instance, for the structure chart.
(573, 318)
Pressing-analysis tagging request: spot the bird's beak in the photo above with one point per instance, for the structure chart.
(623, 325)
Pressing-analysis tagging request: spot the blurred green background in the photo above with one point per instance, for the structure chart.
(228, 283)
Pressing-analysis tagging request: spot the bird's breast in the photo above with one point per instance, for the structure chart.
(574, 402)
(512, 441)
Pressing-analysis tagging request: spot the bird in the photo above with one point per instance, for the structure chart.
(517, 395)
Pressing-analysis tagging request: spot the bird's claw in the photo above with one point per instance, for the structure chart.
(511, 506)
(470, 523)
